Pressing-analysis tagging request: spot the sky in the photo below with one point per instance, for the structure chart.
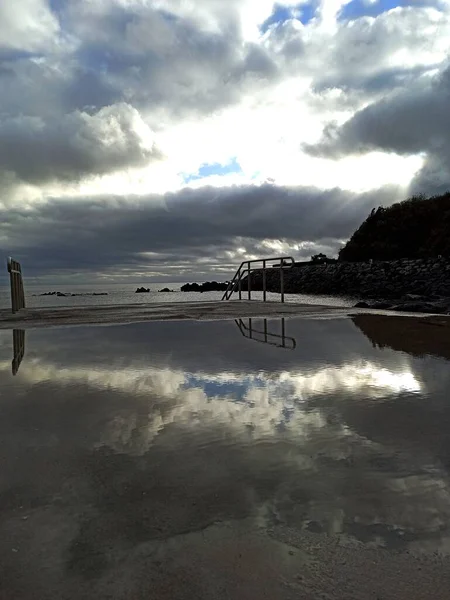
(168, 140)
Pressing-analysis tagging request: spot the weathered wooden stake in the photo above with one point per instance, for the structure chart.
(16, 281)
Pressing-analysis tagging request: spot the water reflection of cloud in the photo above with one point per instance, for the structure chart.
(175, 445)
(262, 401)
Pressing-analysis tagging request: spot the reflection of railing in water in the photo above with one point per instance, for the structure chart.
(267, 337)
(18, 349)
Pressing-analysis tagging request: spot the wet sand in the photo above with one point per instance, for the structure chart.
(226, 560)
(419, 336)
(133, 313)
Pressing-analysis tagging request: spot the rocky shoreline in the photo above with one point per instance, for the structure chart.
(207, 286)
(421, 285)
(64, 294)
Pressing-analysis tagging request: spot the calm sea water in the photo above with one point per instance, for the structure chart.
(186, 460)
(125, 294)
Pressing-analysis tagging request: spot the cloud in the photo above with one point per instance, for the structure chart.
(203, 230)
(27, 26)
(169, 58)
(412, 122)
(38, 150)
(102, 100)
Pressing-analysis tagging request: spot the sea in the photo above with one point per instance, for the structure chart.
(125, 293)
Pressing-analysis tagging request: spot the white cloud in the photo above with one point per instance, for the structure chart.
(27, 25)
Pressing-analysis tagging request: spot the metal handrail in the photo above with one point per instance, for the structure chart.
(245, 268)
(250, 331)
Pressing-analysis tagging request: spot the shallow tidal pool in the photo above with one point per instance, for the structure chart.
(226, 459)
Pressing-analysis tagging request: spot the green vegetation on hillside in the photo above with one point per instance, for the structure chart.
(416, 228)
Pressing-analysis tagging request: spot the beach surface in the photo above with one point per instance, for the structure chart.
(178, 458)
(155, 311)
(132, 313)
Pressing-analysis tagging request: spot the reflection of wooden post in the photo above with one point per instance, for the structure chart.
(18, 349)
(16, 281)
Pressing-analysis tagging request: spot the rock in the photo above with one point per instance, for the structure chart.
(362, 305)
(72, 295)
(208, 286)
(403, 281)
(381, 305)
(165, 290)
(412, 298)
(142, 290)
(423, 307)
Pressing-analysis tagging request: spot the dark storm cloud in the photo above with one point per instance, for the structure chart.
(162, 61)
(408, 123)
(159, 62)
(188, 228)
(37, 150)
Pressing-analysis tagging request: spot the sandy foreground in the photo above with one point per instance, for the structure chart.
(132, 313)
(205, 311)
(228, 560)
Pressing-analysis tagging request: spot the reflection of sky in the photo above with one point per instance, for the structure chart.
(337, 432)
(236, 389)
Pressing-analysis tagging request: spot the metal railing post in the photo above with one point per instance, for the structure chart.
(264, 281)
(246, 270)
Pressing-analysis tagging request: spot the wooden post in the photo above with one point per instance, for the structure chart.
(16, 282)
(282, 282)
(264, 281)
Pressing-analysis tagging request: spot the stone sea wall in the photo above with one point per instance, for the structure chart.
(379, 279)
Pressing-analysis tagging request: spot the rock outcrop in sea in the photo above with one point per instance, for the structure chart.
(208, 286)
